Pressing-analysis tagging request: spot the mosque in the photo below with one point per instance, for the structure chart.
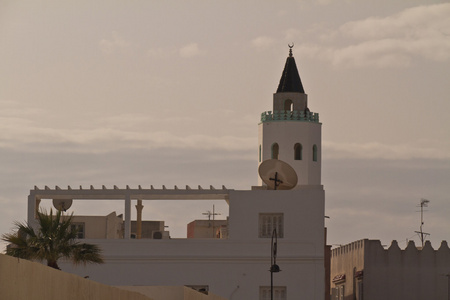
(277, 225)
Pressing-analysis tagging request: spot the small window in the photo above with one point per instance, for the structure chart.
(275, 150)
(288, 105)
(298, 151)
(269, 221)
(79, 229)
(314, 153)
(259, 153)
(279, 293)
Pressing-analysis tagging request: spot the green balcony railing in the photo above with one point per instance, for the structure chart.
(287, 115)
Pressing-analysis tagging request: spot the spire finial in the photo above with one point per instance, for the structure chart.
(290, 49)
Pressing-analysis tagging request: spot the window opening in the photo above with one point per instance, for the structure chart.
(269, 221)
(259, 153)
(314, 153)
(275, 150)
(288, 105)
(79, 229)
(298, 151)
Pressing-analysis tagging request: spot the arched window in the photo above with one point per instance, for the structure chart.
(314, 153)
(298, 151)
(259, 153)
(288, 105)
(275, 150)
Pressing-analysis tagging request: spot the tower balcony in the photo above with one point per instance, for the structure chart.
(287, 115)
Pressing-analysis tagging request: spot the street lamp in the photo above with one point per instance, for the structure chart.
(274, 268)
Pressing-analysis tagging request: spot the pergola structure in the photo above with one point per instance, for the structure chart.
(126, 195)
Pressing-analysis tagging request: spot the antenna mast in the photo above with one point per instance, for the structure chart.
(422, 235)
(213, 214)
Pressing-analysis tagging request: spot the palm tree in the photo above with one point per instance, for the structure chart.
(54, 239)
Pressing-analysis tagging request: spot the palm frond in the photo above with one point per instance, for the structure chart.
(87, 253)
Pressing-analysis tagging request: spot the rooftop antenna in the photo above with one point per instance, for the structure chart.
(213, 214)
(422, 235)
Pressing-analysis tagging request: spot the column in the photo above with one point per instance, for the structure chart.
(139, 208)
(33, 206)
(127, 233)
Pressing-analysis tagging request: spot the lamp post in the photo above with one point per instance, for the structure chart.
(274, 268)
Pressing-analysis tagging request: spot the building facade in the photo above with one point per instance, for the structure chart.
(364, 270)
(207, 229)
(235, 266)
(111, 226)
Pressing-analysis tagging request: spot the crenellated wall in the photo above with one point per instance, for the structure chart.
(393, 273)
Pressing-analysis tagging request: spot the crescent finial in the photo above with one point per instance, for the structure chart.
(290, 48)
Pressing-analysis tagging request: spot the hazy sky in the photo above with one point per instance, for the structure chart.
(171, 92)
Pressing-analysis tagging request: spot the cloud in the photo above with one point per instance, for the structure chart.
(158, 52)
(375, 150)
(190, 50)
(421, 31)
(28, 129)
(28, 136)
(382, 42)
(416, 22)
(186, 51)
(262, 42)
(115, 44)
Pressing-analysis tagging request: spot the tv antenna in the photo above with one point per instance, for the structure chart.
(422, 235)
(213, 214)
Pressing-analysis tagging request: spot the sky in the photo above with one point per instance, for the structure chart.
(170, 93)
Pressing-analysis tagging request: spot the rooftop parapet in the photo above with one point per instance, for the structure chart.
(287, 115)
(376, 245)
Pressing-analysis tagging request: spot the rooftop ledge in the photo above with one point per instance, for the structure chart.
(287, 115)
(114, 193)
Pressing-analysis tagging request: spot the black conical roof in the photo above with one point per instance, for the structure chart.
(290, 81)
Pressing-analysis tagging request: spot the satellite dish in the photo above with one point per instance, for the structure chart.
(277, 174)
(62, 204)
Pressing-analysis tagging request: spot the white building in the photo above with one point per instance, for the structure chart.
(235, 267)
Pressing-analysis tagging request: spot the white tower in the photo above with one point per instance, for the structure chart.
(291, 132)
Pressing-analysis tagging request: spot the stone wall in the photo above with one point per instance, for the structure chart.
(25, 280)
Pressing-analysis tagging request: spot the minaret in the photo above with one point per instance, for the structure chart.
(291, 132)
